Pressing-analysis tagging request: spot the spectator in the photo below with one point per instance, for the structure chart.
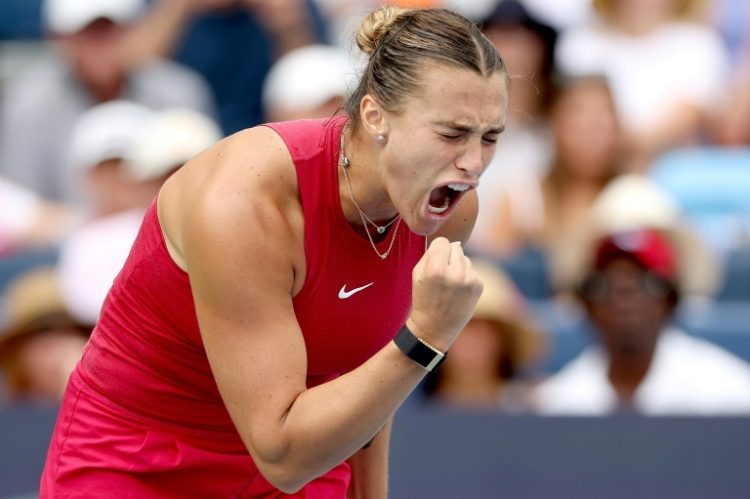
(100, 141)
(666, 73)
(734, 125)
(42, 105)
(548, 215)
(733, 121)
(309, 82)
(40, 343)
(485, 369)
(634, 274)
(31, 231)
(615, 210)
(525, 151)
(231, 43)
(141, 149)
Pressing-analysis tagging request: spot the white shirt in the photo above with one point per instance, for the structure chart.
(522, 158)
(650, 74)
(91, 258)
(43, 104)
(688, 376)
(18, 207)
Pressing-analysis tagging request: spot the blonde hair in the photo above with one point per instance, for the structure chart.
(399, 41)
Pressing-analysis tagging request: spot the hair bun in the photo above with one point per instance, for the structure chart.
(376, 26)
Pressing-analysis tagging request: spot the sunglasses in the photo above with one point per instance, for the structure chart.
(599, 287)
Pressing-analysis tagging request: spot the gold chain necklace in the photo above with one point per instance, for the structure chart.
(380, 228)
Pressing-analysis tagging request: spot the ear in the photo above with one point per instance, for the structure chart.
(373, 116)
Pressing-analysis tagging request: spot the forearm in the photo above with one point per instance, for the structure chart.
(329, 423)
(157, 33)
(288, 22)
(370, 468)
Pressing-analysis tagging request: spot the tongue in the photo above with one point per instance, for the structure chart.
(439, 197)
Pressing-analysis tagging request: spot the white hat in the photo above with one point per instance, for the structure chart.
(70, 16)
(306, 78)
(106, 131)
(170, 138)
(633, 202)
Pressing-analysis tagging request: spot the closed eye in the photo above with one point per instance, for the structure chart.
(451, 137)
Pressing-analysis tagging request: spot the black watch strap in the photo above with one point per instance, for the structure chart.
(418, 350)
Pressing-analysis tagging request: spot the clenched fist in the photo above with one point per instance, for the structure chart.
(445, 291)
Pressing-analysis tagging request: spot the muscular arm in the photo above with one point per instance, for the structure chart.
(240, 248)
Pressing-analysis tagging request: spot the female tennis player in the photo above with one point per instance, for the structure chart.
(291, 286)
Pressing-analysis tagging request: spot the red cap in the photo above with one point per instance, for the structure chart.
(649, 248)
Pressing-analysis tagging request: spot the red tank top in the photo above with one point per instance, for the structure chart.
(145, 372)
(352, 302)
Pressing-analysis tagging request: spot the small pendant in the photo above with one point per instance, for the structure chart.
(381, 229)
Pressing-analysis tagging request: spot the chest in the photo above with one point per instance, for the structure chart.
(352, 305)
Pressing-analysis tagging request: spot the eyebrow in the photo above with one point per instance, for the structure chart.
(466, 128)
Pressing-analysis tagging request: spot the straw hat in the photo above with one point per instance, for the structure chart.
(634, 202)
(682, 8)
(503, 304)
(33, 303)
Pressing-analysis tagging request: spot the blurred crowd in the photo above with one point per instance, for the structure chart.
(614, 227)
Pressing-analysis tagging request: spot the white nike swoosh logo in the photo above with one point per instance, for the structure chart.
(344, 294)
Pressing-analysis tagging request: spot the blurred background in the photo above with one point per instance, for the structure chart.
(609, 355)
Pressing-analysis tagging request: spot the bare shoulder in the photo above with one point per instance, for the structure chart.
(459, 226)
(241, 191)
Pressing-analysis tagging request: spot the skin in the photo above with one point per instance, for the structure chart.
(587, 140)
(469, 377)
(47, 359)
(639, 17)
(109, 188)
(628, 323)
(157, 33)
(95, 55)
(585, 125)
(523, 54)
(451, 128)
(237, 204)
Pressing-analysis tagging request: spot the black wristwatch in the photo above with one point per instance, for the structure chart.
(419, 350)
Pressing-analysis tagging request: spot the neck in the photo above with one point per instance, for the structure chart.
(105, 92)
(626, 373)
(642, 25)
(366, 183)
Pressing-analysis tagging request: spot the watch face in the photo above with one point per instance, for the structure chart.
(417, 350)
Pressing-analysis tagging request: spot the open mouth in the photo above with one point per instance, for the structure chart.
(442, 198)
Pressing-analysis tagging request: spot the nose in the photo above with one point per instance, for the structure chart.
(471, 161)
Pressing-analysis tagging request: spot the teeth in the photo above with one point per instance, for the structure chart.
(440, 210)
(458, 187)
